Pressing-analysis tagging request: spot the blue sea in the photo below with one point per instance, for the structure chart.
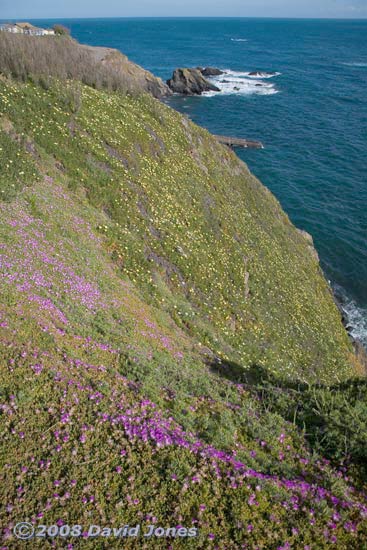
(311, 116)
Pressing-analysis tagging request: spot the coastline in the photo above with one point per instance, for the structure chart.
(348, 310)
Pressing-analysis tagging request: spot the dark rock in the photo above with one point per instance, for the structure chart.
(211, 71)
(239, 142)
(31, 148)
(156, 87)
(190, 82)
(117, 155)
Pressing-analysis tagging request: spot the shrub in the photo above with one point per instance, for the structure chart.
(31, 58)
(61, 30)
(333, 419)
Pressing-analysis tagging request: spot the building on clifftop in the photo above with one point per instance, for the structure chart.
(25, 28)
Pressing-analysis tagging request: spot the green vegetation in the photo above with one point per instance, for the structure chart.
(61, 30)
(171, 353)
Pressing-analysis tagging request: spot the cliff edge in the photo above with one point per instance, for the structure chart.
(42, 58)
(119, 63)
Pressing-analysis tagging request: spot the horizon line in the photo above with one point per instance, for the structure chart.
(294, 18)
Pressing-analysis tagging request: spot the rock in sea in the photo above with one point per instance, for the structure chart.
(211, 71)
(190, 82)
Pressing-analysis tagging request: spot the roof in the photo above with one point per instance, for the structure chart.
(26, 26)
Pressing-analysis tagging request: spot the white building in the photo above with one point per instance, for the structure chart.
(25, 28)
(11, 28)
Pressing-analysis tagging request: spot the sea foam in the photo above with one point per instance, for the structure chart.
(243, 83)
(355, 64)
(356, 317)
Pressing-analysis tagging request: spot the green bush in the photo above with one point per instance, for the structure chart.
(61, 30)
(333, 419)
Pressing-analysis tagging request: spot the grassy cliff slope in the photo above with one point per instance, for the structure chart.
(160, 317)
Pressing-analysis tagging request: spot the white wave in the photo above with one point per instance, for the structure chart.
(239, 39)
(241, 83)
(357, 322)
(355, 64)
(252, 74)
(356, 316)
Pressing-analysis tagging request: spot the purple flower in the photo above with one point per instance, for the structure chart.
(252, 500)
(37, 369)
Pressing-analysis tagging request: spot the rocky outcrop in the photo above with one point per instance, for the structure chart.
(135, 75)
(190, 82)
(310, 243)
(210, 71)
(239, 142)
(361, 355)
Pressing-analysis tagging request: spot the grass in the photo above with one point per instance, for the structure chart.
(144, 380)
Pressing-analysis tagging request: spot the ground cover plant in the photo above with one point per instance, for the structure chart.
(171, 353)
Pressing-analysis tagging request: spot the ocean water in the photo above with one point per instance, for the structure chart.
(311, 116)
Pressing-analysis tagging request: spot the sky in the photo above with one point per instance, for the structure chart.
(28, 9)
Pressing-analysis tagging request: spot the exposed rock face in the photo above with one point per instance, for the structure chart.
(211, 71)
(132, 72)
(310, 242)
(361, 355)
(190, 82)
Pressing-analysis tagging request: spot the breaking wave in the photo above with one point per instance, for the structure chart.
(355, 64)
(243, 83)
(356, 317)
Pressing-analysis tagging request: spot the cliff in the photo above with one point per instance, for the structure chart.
(162, 323)
(138, 77)
(41, 58)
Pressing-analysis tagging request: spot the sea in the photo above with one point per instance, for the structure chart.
(307, 105)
